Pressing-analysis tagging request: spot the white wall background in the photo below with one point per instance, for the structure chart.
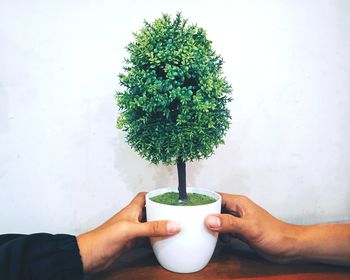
(64, 167)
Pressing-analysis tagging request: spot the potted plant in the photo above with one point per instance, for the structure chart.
(174, 109)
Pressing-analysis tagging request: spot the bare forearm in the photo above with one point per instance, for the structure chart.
(325, 243)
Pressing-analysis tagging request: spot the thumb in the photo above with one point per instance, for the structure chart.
(156, 229)
(224, 223)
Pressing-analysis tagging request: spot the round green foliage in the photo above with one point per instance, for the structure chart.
(174, 106)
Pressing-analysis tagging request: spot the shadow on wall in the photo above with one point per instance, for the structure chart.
(141, 175)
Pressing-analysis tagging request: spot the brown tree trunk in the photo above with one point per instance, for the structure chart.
(181, 172)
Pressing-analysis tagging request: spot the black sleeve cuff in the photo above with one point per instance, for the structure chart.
(68, 257)
(40, 256)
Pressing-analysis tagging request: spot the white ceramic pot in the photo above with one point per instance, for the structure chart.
(191, 249)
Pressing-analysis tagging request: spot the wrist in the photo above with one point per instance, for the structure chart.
(84, 250)
(293, 239)
(305, 243)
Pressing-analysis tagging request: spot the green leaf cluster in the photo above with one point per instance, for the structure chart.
(174, 103)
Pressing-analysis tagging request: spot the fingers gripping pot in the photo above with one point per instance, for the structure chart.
(191, 249)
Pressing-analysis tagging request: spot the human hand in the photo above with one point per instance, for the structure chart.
(272, 238)
(100, 247)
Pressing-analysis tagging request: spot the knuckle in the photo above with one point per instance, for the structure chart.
(243, 197)
(123, 227)
(141, 194)
(231, 224)
(254, 230)
(156, 227)
(228, 221)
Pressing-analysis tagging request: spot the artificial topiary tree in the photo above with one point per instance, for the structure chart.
(173, 107)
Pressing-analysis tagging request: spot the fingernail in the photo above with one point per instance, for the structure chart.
(173, 226)
(213, 221)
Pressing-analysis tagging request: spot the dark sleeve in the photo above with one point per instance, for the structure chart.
(40, 256)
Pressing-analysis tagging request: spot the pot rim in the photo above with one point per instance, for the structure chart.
(159, 191)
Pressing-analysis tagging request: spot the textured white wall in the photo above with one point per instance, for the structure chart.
(64, 167)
